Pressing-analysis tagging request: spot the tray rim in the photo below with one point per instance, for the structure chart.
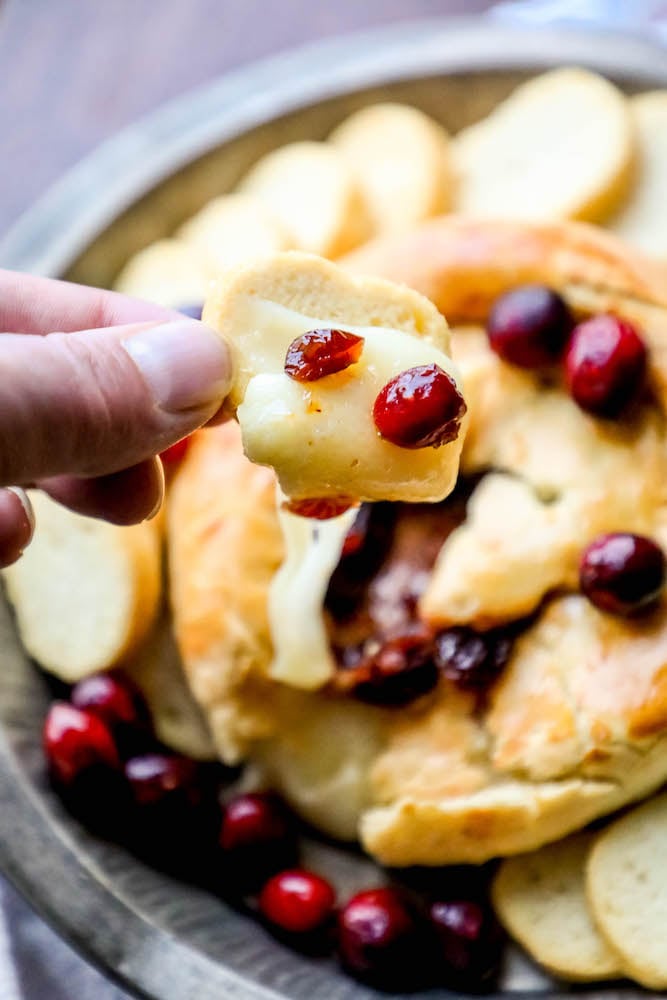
(64, 221)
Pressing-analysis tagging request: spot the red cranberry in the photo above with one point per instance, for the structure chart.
(76, 740)
(257, 837)
(379, 939)
(318, 353)
(174, 455)
(113, 698)
(622, 573)
(193, 310)
(529, 326)
(468, 941)
(401, 670)
(319, 508)
(419, 408)
(155, 778)
(297, 901)
(605, 365)
(470, 659)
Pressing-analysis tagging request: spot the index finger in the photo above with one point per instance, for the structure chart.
(29, 304)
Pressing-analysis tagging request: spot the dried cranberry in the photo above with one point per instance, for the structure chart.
(419, 408)
(318, 353)
(76, 740)
(472, 660)
(319, 508)
(297, 901)
(175, 454)
(193, 310)
(401, 670)
(380, 940)
(622, 573)
(468, 942)
(529, 326)
(605, 365)
(258, 838)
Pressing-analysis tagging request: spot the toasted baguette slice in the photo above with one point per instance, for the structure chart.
(402, 161)
(541, 900)
(562, 146)
(642, 219)
(261, 309)
(178, 721)
(234, 229)
(169, 272)
(309, 188)
(626, 881)
(85, 592)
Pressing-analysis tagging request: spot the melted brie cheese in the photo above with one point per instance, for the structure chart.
(320, 436)
(302, 655)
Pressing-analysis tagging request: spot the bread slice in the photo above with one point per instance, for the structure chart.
(402, 161)
(540, 899)
(261, 309)
(234, 229)
(85, 593)
(642, 219)
(169, 272)
(562, 146)
(626, 881)
(157, 670)
(309, 188)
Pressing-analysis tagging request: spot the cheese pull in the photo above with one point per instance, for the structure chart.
(382, 420)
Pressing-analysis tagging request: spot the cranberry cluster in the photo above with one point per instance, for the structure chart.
(104, 761)
(605, 358)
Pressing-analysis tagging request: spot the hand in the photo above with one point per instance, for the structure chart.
(85, 410)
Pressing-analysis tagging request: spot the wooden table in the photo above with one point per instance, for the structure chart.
(75, 71)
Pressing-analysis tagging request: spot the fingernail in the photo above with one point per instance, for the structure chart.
(185, 364)
(160, 472)
(24, 500)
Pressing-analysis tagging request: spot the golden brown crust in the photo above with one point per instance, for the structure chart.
(568, 735)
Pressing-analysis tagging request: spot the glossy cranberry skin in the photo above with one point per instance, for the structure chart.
(156, 778)
(319, 353)
(380, 940)
(297, 901)
(112, 697)
(419, 408)
(75, 741)
(529, 326)
(605, 365)
(472, 660)
(193, 310)
(174, 455)
(257, 837)
(400, 671)
(622, 574)
(468, 941)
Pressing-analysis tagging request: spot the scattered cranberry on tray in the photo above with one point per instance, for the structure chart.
(257, 837)
(419, 408)
(529, 326)
(76, 740)
(116, 700)
(319, 353)
(605, 365)
(380, 939)
(297, 901)
(467, 941)
(622, 573)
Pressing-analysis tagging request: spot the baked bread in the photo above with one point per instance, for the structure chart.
(402, 161)
(562, 146)
(169, 272)
(85, 593)
(309, 188)
(264, 310)
(233, 229)
(575, 726)
(541, 900)
(627, 890)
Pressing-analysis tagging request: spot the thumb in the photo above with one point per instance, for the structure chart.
(95, 401)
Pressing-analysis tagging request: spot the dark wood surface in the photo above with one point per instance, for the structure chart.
(75, 71)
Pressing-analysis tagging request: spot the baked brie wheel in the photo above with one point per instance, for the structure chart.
(455, 681)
